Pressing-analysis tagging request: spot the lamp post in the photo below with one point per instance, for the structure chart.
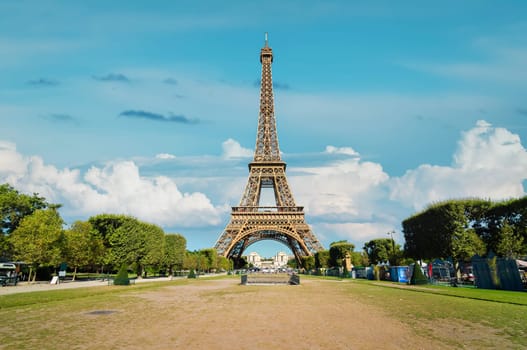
(393, 244)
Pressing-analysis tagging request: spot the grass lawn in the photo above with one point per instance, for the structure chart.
(195, 313)
(441, 311)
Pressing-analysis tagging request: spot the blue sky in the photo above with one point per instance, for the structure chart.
(151, 109)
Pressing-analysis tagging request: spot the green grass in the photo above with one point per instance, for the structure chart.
(501, 296)
(504, 312)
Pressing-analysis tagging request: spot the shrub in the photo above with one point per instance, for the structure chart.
(191, 274)
(122, 277)
(417, 276)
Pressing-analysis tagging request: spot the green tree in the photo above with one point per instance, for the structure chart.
(292, 263)
(38, 239)
(510, 244)
(378, 250)
(122, 278)
(14, 206)
(83, 246)
(175, 247)
(466, 244)
(439, 230)
(308, 262)
(106, 225)
(359, 259)
(322, 259)
(210, 261)
(443, 230)
(337, 252)
(190, 261)
(139, 243)
(224, 263)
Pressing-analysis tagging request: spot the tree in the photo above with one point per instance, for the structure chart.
(15, 206)
(38, 239)
(439, 230)
(322, 259)
(122, 278)
(442, 231)
(292, 263)
(359, 259)
(209, 260)
(510, 244)
(308, 262)
(175, 247)
(378, 250)
(106, 225)
(136, 242)
(190, 261)
(337, 252)
(224, 263)
(466, 244)
(83, 246)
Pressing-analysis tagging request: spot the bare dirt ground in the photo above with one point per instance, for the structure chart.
(222, 314)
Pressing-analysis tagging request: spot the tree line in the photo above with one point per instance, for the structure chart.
(32, 231)
(462, 228)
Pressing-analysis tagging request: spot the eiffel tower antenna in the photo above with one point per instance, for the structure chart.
(250, 222)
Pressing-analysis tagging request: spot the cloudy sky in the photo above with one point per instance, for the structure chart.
(151, 110)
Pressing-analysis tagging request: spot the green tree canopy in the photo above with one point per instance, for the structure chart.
(136, 242)
(175, 247)
(322, 259)
(14, 206)
(464, 227)
(210, 260)
(83, 245)
(511, 244)
(359, 259)
(379, 250)
(308, 262)
(337, 252)
(38, 239)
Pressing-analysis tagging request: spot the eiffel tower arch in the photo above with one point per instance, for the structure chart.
(250, 222)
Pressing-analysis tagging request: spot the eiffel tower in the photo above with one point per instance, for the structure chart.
(250, 222)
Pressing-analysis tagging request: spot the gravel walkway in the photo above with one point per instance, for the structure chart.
(24, 287)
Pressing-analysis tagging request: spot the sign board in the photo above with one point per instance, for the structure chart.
(54, 280)
(62, 273)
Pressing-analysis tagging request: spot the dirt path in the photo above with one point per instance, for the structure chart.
(219, 314)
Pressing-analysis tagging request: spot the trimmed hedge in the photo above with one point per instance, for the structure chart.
(417, 276)
(122, 277)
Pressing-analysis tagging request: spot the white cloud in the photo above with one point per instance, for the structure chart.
(341, 150)
(489, 163)
(11, 162)
(165, 156)
(117, 187)
(344, 199)
(233, 149)
(341, 188)
(357, 232)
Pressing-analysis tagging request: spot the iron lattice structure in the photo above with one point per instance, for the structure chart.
(284, 222)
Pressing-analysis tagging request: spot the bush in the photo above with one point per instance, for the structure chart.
(122, 277)
(191, 274)
(417, 276)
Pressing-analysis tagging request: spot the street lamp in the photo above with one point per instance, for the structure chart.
(393, 244)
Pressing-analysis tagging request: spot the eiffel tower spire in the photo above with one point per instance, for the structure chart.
(284, 222)
(266, 149)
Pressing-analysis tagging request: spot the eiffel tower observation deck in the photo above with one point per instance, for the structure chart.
(284, 222)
